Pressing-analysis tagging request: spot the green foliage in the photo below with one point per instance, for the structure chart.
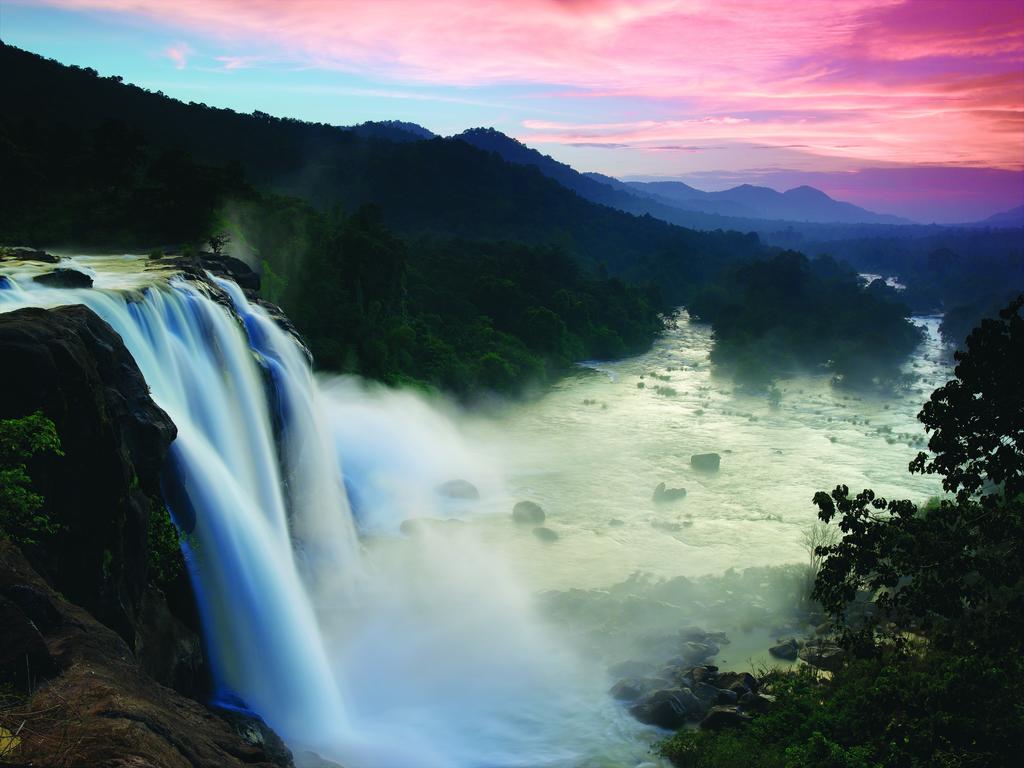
(163, 551)
(902, 710)
(938, 687)
(788, 313)
(272, 285)
(453, 314)
(21, 516)
(954, 570)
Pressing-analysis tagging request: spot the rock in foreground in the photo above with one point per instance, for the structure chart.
(97, 707)
(663, 495)
(528, 512)
(706, 462)
(65, 278)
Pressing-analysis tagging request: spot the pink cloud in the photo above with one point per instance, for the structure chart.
(872, 80)
(178, 53)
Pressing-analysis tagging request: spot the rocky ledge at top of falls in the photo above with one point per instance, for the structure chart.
(103, 661)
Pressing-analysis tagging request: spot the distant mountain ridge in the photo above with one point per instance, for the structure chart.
(1004, 220)
(802, 203)
(671, 200)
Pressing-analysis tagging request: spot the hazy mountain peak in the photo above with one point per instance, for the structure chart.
(805, 192)
(393, 130)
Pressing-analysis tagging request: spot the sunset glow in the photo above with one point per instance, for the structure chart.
(696, 89)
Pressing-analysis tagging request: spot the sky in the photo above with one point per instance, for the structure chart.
(911, 107)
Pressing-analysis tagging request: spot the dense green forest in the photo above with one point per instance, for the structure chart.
(430, 261)
(968, 274)
(463, 315)
(924, 682)
(789, 313)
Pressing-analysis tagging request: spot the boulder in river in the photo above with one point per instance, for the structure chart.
(65, 278)
(785, 650)
(458, 489)
(706, 462)
(632, 688)
(545, 534)
(668, 708)
(528, 512)
(663, 495)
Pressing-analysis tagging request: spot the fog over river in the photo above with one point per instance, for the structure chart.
(363, 585)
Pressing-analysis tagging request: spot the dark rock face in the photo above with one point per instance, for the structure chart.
(632, 688)
(739, 682)
(220, 266)
(65, 278)
(96, 706)
(669, 708)
(785, 650)
(663, 495)
(458, 489)
(706, 462)
(73, 366)
(167, 650)
(528, 512)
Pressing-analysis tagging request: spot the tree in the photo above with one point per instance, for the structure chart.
(953, 569)
(21, 518)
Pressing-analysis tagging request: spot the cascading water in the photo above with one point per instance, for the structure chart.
(421, 656)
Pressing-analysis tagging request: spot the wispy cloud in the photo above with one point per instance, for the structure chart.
(868, 79)
(179, 54)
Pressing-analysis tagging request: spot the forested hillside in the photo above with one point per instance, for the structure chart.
(425, 260)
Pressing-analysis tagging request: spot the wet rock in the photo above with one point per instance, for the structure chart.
(528, 512)
(824, 656)
(167, 650)
(756, 702)
(706, 692)
(103, 704)
(785, 650)
(64, 278)
(740, 682)
(668, 708)
(458, 489)
(706, 462)
(632, 688)
(545, 534)
(263, 742)
(663, 495)
(704, 673)
(724, 717)
(27, 254)
(697, 652)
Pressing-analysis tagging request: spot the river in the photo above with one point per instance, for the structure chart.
(378, 622)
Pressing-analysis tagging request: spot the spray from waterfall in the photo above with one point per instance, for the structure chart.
(425, 653)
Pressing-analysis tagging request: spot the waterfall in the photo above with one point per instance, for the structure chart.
(424, 655)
